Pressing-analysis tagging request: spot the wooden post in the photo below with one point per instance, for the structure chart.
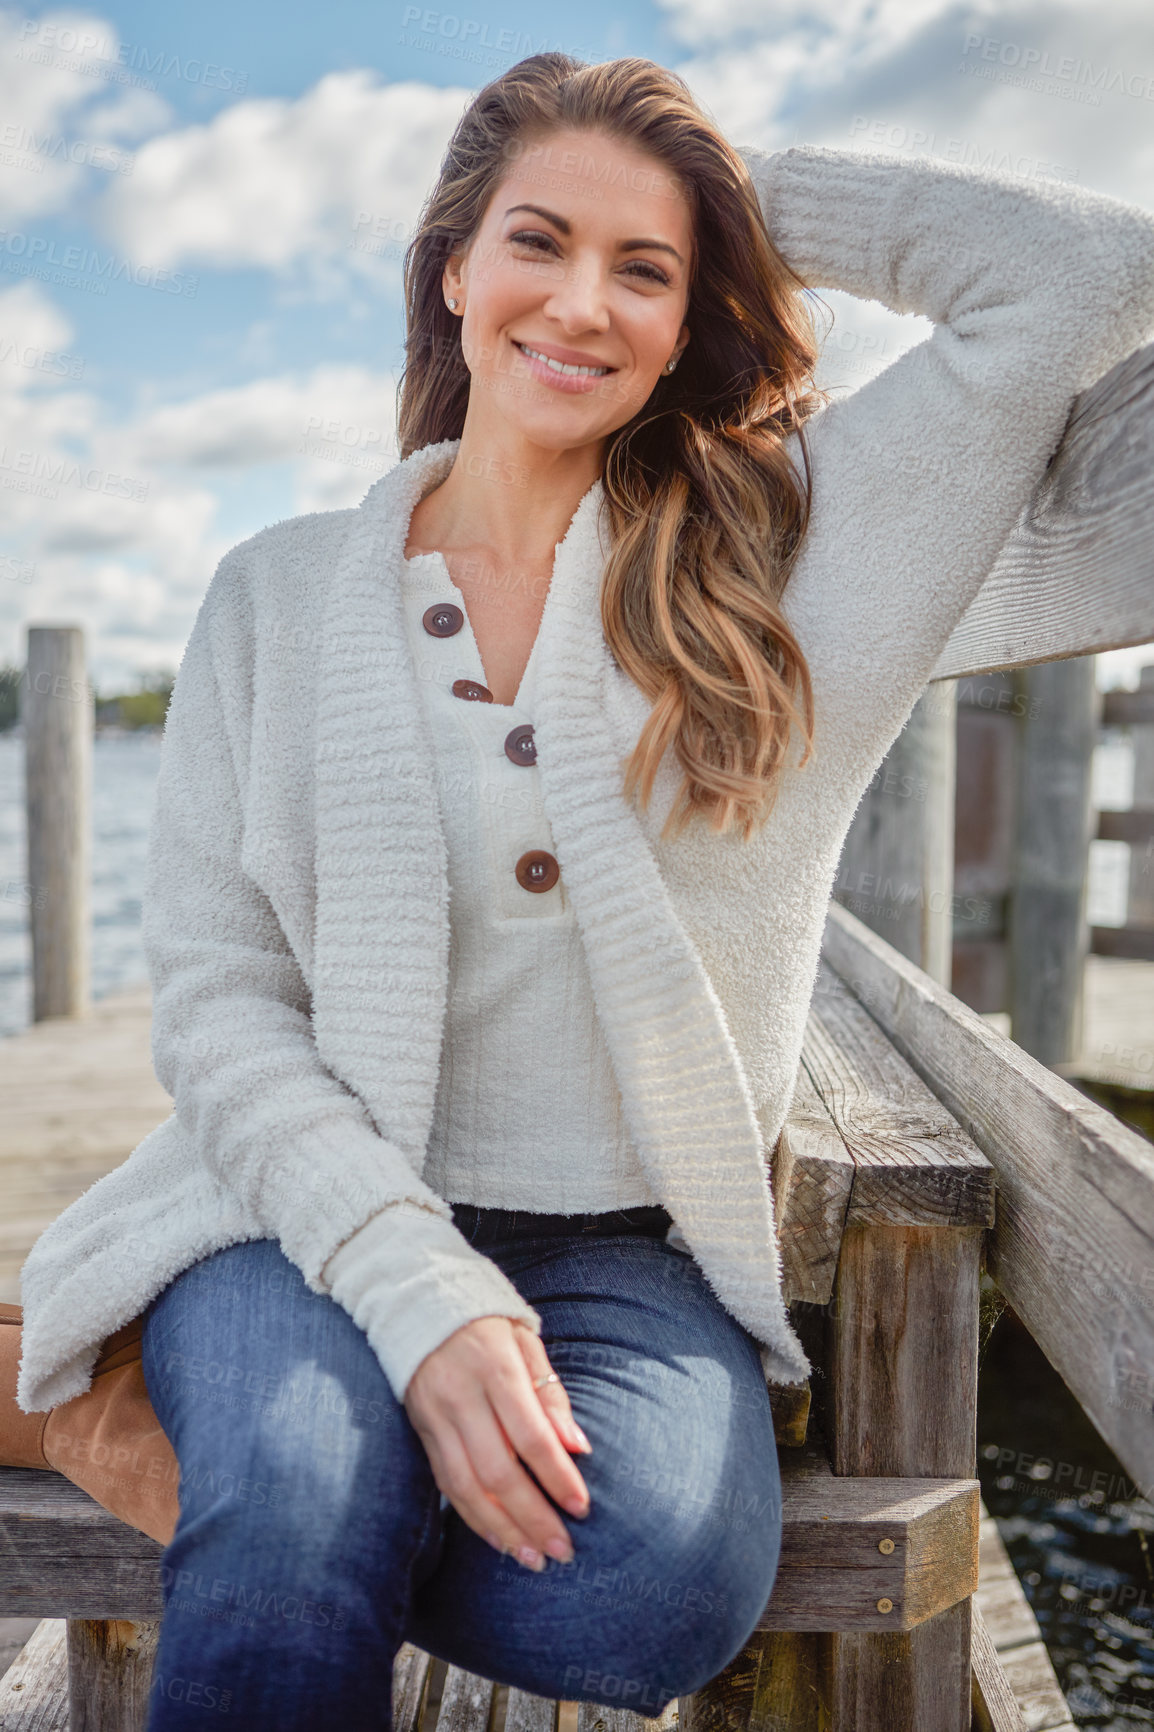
(57, 715)
(903, 1385)
(1048, 934)
(1140, 903)
(987, 740)
(897, 866)
(109, 1674)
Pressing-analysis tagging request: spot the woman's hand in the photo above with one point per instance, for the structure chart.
(474, 1407)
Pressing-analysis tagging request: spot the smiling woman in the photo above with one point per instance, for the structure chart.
(601, 207)
(487, 886)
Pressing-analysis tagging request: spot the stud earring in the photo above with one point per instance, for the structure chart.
(452, 303)
(669, 365)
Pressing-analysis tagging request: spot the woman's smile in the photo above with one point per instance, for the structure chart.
(561, 368)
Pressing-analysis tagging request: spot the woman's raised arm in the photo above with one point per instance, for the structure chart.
(1035, 289)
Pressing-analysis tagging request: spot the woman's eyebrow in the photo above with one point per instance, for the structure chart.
(567, 228)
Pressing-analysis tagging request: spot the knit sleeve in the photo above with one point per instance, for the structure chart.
(232, 1034)
(1035, 290)
(403, 1279)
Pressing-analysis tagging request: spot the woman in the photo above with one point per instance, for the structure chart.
(496, 827)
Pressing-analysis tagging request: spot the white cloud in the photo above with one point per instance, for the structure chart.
(116, 522)
(339, 173)
(63, 126)
(971, 85)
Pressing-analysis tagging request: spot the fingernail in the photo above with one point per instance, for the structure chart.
(579, 1437)
(561, 1550)
(531, 1559)
(578, 1506)
(495, 1542)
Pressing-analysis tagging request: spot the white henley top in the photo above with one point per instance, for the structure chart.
(524, 1062)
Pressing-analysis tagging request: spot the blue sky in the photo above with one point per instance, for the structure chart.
(203, 210)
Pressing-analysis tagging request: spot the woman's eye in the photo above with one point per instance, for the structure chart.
(636, 267)
(653, 272)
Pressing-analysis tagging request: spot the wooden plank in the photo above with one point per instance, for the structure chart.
(1074, 574)
(410, 1676)
(790, 1404)
(872, 1554)
(1008, 1615)
(1075, 1188)
(812, 1178)
(527, 1713)
(1047, 937)
(909, 1682)
(465, 1702)
(909, 843)
(110, 1674)
(1012, 1630)
(1140, 890)
(913, 1163)
(63, 1555)
(1133, 943)
(776, 1682)
(1129, 709)
(1135, 824)
(34, 1689)
(994, 1703)
(78, 1097)
(903, 1352)
(1030, 1675)
(592, 1717)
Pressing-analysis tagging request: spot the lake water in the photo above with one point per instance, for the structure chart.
(123, 779)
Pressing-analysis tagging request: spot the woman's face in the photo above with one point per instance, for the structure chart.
(583, 259)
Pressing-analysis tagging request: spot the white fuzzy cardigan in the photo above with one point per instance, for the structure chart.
(296, 916)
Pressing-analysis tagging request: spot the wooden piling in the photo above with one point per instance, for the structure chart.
(1140, 902)
(1048, 934)
(57, 713)
(897, 864)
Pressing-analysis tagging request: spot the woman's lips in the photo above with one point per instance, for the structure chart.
(571, 382)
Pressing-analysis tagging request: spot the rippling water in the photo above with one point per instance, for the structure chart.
(1079, 1530)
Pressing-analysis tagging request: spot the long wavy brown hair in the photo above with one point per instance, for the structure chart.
(707, 509)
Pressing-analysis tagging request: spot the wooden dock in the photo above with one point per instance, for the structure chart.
(77, 1098)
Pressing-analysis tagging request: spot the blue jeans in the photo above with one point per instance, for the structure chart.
(313, 1539)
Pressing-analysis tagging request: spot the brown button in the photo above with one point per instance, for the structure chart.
(470, 689)
(443, 619)
(537, 870)
(520, 746)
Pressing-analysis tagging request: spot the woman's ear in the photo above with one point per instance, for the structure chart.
(452, 281)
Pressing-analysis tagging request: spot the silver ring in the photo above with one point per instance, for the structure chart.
(551, 1378)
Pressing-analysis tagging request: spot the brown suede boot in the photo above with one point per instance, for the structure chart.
(108, 1440)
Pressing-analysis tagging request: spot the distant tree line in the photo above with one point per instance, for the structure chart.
(146, 707)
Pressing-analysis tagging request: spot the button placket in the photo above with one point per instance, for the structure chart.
(536, 870)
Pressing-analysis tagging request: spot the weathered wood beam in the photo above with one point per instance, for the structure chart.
(812, 1178)
(34, 1689)
(913, 1165)
(872, 1554)
(1073, 1244)
(1075, 573)
(110, 1674)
